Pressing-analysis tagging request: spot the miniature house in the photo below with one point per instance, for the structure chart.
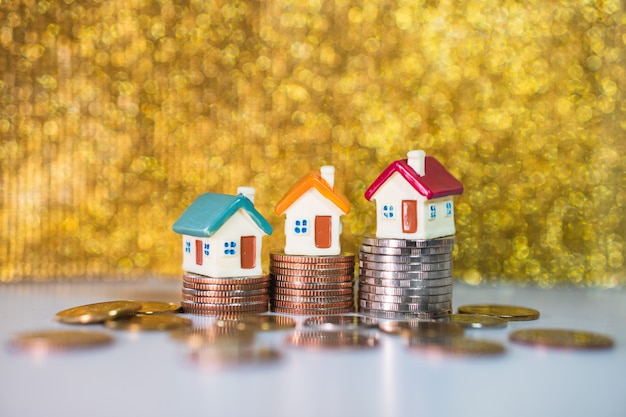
(312, 215)
(414, 199)
(222, 235)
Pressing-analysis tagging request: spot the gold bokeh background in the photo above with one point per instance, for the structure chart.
(115, 115)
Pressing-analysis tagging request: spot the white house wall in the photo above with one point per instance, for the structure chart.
(308, 206)
(217, 264)
(392, 192)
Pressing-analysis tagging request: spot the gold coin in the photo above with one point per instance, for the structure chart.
(55, 340)
(561, 338)
(155, 322)
(506, 312)
(456, 345)
(98, 312)
(157, 307)
(478, 321)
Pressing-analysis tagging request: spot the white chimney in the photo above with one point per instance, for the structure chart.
(416, 161)
(247, 192)
(328, 175)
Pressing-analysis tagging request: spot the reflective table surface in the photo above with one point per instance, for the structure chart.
(151, 374)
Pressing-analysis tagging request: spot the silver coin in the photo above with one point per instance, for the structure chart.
(408, 243)
(382, 250)
(403, 315)
(375, 289)
(406, 307)
(422, 259)
(401, 299)
(404, 267)
(340, 322)
(407, 283)
(403, 275)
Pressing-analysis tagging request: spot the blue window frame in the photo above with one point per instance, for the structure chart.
(449, 208)
(432, 211)
(187, 246)
(301, 226)
(230, 248)
(206, 249)
(389, 211)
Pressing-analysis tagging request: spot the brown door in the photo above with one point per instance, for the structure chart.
(199, 252)
(409, 216)
(248, 252)
(323, 232)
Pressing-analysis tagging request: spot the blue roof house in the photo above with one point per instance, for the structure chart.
(222, 235)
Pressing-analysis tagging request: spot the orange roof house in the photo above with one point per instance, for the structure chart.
(312, 211)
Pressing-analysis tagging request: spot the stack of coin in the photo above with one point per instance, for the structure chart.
(312, 285)
(209, 296)
(404, 278)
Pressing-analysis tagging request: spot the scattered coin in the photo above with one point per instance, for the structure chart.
(561, 338)
(507, 312)
(333, 339)
(98, 312)
(216, 357)
(268, 323)
(456, 345)
(478, 321)
(155, 322)
(58, 340)
(340, 322)
(421, 327)
(225, 333)
(157, 307)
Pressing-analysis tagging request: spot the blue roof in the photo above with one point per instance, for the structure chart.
(210, 211)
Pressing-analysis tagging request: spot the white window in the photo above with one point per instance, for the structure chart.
(301, 226)
(230, 248)
(389, 211)
(432, 210)
(449, 208)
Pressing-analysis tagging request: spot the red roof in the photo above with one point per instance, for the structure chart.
(436, 181)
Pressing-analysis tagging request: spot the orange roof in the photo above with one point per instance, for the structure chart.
(312, 180)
